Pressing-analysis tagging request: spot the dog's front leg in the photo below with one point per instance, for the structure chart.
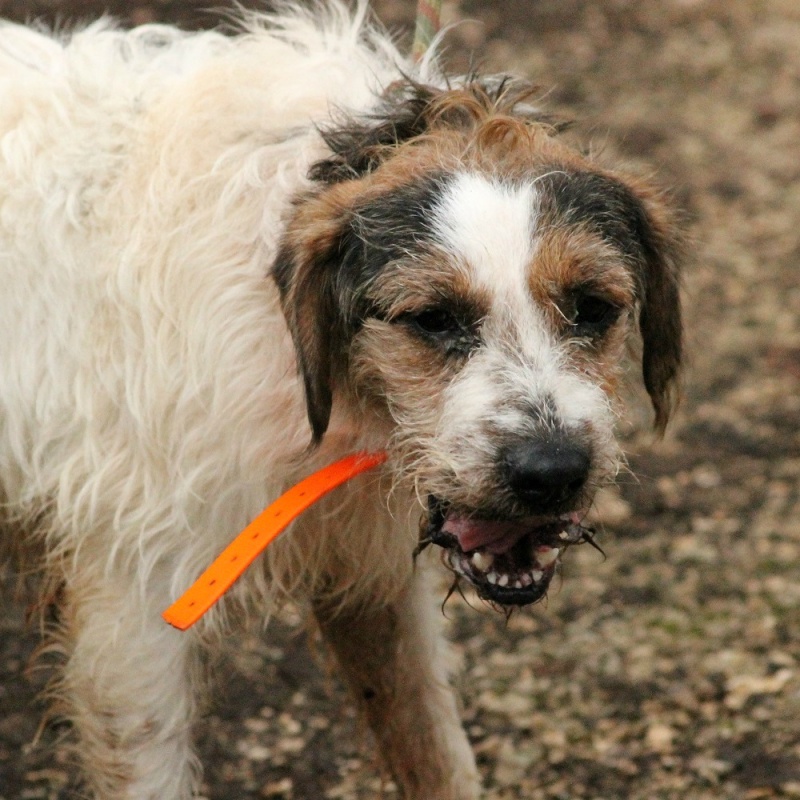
(128, 687)
(395, 660)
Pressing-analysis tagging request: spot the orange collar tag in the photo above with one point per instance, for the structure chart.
(242, 551)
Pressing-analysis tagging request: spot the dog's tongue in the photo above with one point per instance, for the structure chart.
(494, 536)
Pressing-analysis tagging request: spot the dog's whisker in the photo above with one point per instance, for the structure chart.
(588, 537)
(455, 586)
(422, 545)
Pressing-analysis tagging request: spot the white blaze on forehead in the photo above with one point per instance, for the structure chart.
(490, 226)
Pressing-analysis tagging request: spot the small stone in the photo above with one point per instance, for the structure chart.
(660, 737)
(282, 788)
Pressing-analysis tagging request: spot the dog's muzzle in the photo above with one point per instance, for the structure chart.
(509, 562)
(512, 561)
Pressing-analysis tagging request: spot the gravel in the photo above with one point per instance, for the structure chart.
(671, 668)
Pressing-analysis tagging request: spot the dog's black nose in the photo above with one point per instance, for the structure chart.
(547, 473)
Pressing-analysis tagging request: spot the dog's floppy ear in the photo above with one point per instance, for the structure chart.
(660, 312)
(304, 272)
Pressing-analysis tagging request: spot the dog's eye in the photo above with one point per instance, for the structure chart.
(593, 315)
(436, 322)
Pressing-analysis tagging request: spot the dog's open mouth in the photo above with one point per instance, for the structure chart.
(509, 562)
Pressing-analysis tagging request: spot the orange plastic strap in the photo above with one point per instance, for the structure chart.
(244, 549)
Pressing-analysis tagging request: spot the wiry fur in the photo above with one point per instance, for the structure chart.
(214, 250)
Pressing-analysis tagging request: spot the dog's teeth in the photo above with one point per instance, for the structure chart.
(527, 580)
(537, 575)
(517, 584)
(492, 577)
(482, 561)
(563, 535)
(546, 556)
(503, 580)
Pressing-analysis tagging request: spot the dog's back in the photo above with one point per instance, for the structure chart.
(143, 179)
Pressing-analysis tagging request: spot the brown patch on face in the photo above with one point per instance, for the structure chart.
(428, 321)
(392, 372)
(570, 258)
(632, 221)
(429, 280)
(574, 270)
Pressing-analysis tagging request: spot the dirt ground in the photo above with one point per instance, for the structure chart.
(671, 669)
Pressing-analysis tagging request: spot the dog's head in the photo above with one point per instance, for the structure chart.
(461, 274)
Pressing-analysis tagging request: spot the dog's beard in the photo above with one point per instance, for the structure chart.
(509, 562)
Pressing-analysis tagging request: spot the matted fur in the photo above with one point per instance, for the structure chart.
(216, 251)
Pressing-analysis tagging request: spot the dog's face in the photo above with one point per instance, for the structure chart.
(464, 276)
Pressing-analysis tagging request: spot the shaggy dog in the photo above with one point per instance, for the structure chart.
(227, 261)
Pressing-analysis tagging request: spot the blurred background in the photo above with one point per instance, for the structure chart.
(671, 669)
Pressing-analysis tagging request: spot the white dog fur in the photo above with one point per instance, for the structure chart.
(150, 402)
